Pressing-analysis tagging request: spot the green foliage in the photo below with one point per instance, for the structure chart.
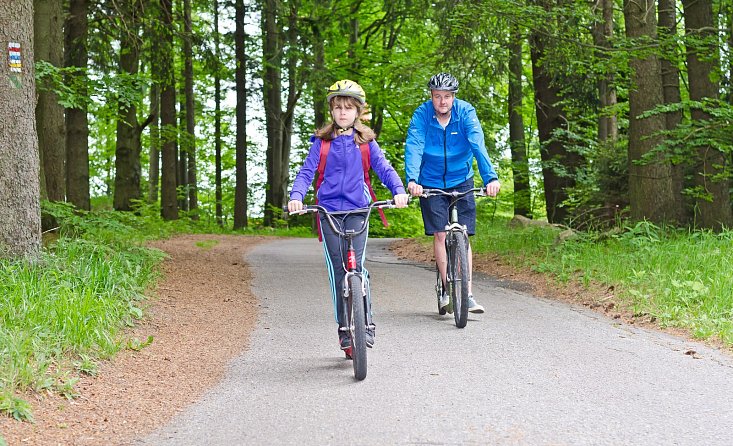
(15, 407)
(69, 87)
(676, 277)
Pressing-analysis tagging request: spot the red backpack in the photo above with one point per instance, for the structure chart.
(365, 164)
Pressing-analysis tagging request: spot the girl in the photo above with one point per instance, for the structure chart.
(343, 187)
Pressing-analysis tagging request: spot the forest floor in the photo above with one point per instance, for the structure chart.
(201, 316)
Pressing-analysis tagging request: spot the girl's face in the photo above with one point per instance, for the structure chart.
(344, 111)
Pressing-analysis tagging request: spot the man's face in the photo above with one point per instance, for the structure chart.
(442, 101)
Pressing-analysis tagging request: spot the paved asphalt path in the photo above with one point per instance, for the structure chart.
(529, 371)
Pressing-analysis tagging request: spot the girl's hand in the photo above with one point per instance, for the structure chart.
(400, 200)
(295, 205)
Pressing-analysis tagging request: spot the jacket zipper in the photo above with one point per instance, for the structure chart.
(445, 155)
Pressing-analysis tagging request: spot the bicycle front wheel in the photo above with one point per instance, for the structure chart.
(460, 274)
(357, 327)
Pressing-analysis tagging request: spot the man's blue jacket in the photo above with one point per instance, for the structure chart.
(440, 157)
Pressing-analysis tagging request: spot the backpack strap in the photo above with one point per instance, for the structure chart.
(366, 165)
(325, 147)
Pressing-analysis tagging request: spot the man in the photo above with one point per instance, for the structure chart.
(443, 139)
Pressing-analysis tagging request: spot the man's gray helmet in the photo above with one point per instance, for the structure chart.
(443, 81)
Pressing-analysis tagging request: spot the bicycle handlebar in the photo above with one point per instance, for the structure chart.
(479, 192)
(313, 208)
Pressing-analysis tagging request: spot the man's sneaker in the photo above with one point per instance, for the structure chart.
(370, 334)
(473, 306)
(445, 303)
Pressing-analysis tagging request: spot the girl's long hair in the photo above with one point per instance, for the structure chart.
(362, 133)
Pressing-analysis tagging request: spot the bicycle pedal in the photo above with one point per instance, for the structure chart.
(348, 352)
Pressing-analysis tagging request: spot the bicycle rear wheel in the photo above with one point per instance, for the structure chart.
(357, 326)
(460, 274)
(439, 289)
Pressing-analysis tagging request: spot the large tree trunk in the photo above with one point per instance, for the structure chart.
(190, 148)
(671, 91)
(520, 166)
(240, 77)
(550, 118)
(279, 122)
(168, 197)
(272, 55)
(48, 29)
(650, 183)
(702, 63)
(77, 123)
(128, 146)
(20, 211)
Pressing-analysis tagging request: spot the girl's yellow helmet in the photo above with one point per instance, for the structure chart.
(346, 87)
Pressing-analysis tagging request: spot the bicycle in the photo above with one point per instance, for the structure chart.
(456, 248)
(356, 303)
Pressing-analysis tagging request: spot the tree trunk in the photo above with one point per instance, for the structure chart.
(154, 36)
(128, 146)
(168, 193)
(272, 55)
(77, 123)
(20, 211)
(650, 183)
(182, 153)
(190, 110)
(550, 118)
(671, 91)
(729, 40)
(602, 33)
(520, 167)
(240, 77)
(702, 62)
(318, 81)
(217, 119)
(154, 149)
(48, 35)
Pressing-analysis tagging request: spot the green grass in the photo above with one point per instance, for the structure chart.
(64, 312)
(679, 278)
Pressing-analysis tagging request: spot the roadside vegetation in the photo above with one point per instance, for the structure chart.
(62, 314)
(673, 277)
(66, 312)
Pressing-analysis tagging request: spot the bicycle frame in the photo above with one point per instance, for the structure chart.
(456, 247)
(357, 310)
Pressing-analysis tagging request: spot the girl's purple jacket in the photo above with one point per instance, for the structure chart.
(343, 187)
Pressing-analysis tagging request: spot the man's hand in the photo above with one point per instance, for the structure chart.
(400, 200)
(493, 188)
(295, 205)
(414, 189)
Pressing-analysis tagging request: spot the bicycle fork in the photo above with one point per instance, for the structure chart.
(351, 271)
